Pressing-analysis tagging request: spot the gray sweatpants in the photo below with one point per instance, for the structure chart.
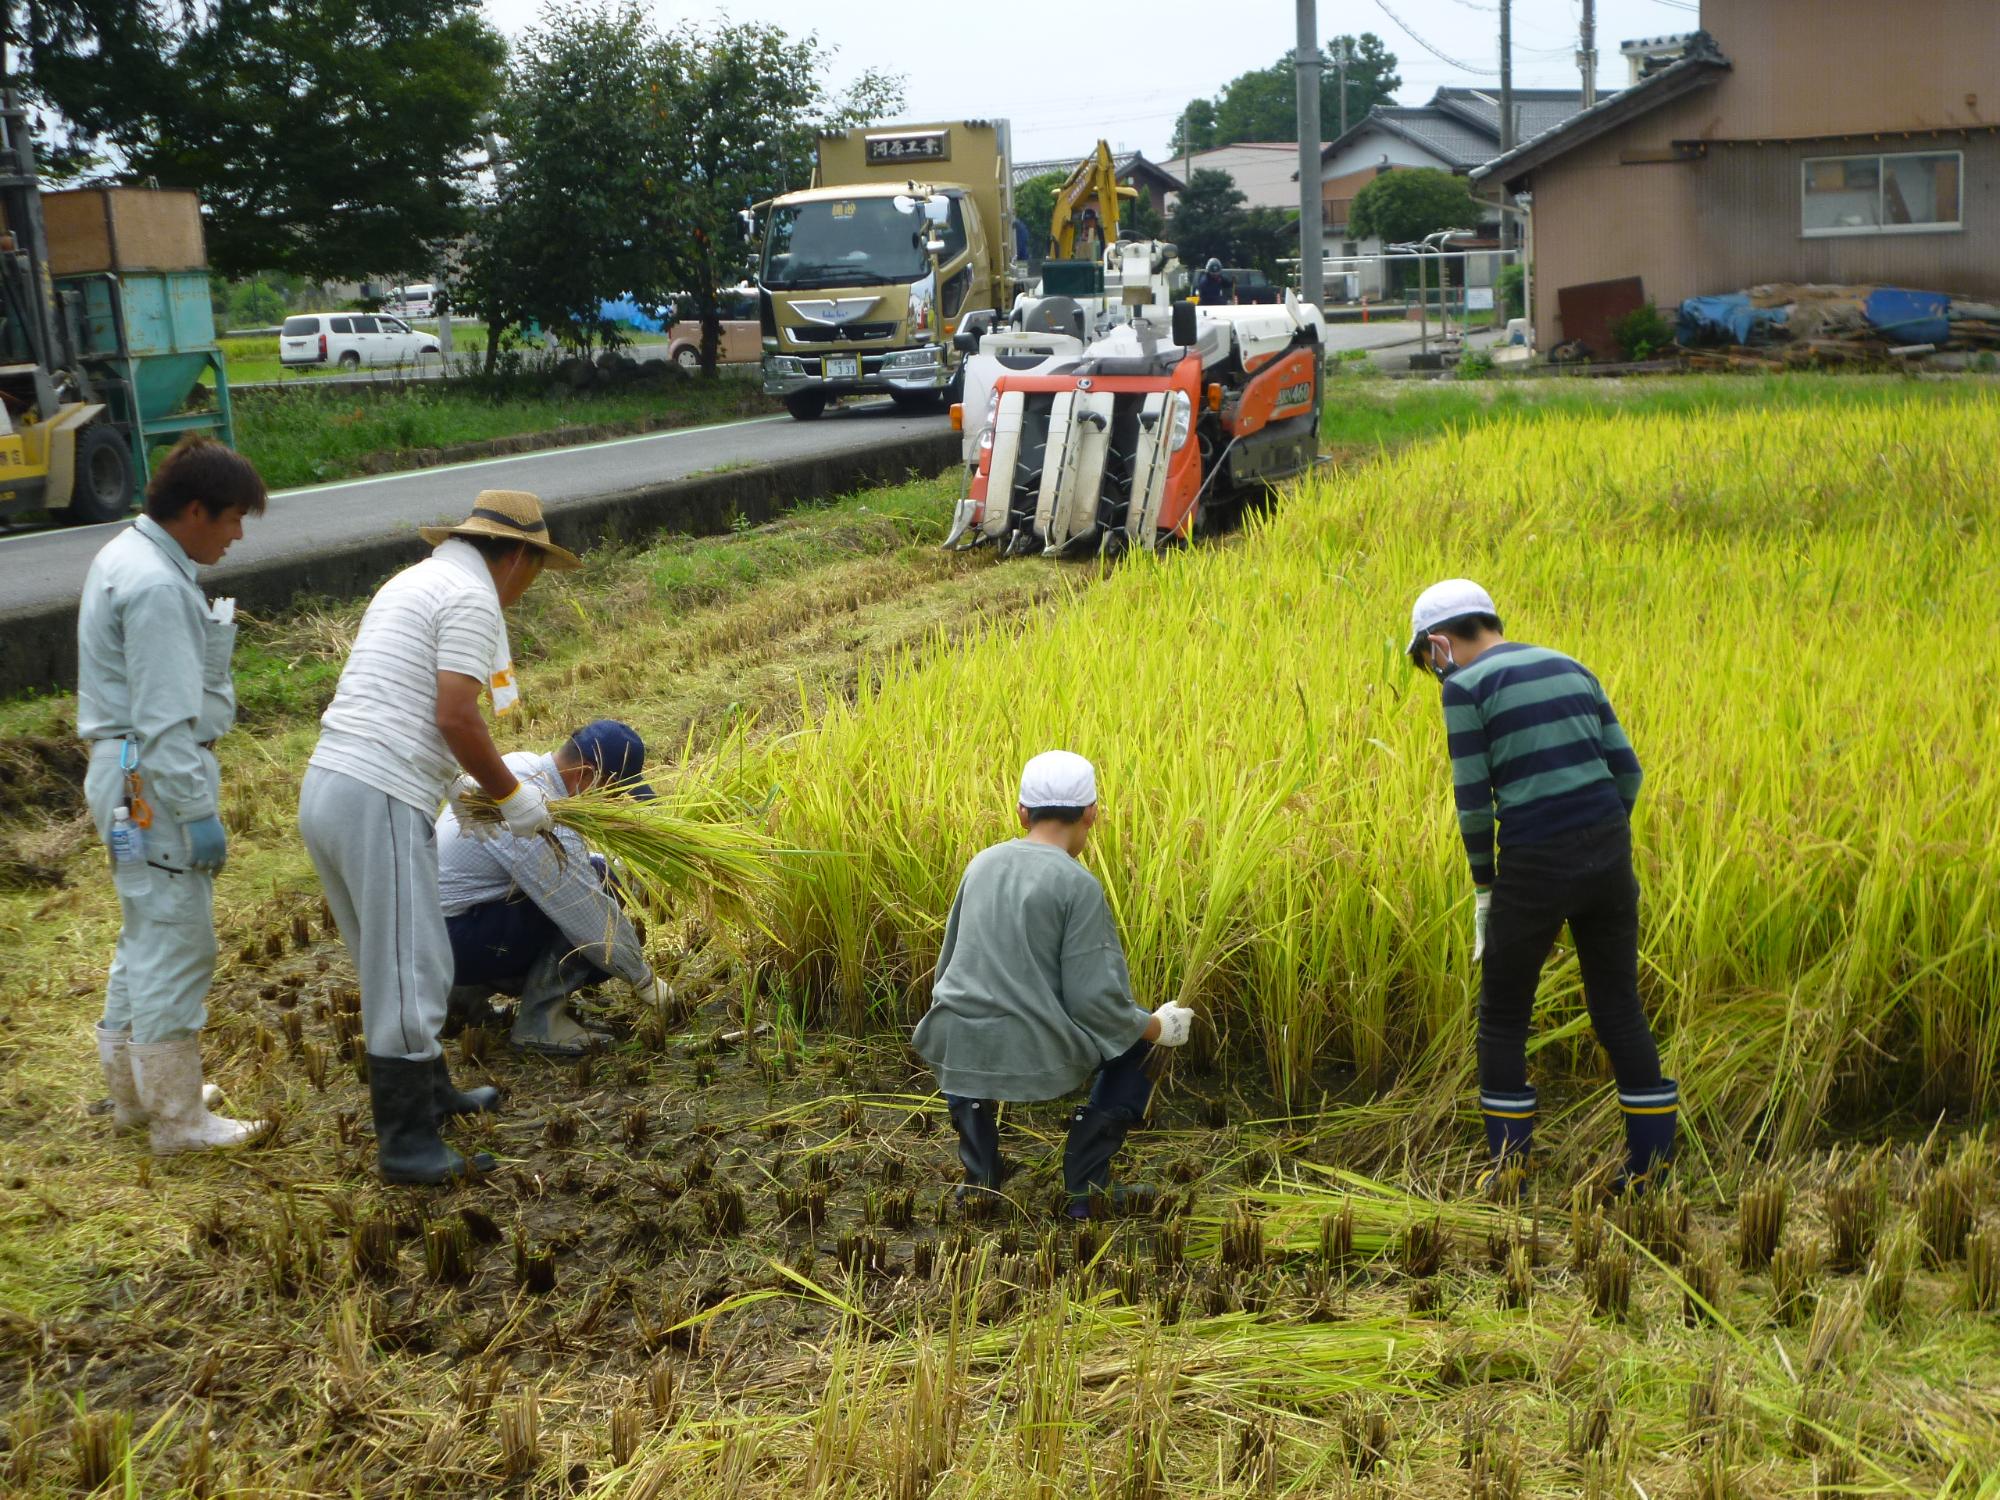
(160, 971)
(377, 864)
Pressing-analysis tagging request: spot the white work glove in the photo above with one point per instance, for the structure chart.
(461, 789)
(654, 992)
(1482, 907)
(1175, 1023)
(526, 810)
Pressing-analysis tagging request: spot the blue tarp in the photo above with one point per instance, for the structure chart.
(1909, 317)
(1724, 320)
(628, 312)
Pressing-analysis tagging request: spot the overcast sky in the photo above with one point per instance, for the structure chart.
(1065, 72)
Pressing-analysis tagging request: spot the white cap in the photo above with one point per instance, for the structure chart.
(1451, 600)
(1058, 778)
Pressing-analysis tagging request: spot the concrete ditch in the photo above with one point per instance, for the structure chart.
(40, 650)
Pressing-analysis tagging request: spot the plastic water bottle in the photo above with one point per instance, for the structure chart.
(128, 846)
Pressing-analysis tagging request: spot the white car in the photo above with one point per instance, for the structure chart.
(419, 301)
(351, 340)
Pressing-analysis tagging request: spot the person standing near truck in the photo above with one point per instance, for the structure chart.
(404, 718)
(1213, 288)
(153, 694)
(1536, 748)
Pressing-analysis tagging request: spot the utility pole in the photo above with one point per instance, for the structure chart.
(1506, 76)
(1312, 284)
(1340, 72)
(1586, 54)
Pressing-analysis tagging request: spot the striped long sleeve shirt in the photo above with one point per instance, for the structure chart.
(1534, 743)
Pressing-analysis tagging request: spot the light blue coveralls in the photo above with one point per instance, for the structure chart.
(153, 682)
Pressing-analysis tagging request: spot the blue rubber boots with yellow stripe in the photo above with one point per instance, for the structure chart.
(1510, 1134)
(1652, 1117)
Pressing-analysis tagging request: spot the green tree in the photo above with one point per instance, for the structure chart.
(1408, 204)
(1265, 237)
(325, 137)
(1035, 205)
(254, 303)
(736, 114)
(1195, 129)
(1262, 105)
(577, 214)
(1208, 218)
(1139, 220)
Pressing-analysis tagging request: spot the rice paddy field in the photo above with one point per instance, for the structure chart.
(722, 1256)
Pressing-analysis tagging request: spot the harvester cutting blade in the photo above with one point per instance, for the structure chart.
(1082, 472)
(961, 519)
(1057, 456)
(1149, 469)
(1000, 467)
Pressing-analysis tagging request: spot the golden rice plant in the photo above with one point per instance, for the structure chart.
(691, 840)
(1788, 611)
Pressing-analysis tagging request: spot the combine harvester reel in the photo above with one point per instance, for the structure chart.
(1129, 419)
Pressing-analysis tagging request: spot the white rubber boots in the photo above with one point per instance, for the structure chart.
(159, 1084)
(127, 1113)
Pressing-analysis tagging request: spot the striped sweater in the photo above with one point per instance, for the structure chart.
(1533, 740)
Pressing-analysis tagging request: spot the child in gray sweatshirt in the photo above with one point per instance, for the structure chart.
(1032, 996)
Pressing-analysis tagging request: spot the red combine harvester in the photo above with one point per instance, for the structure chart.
(1125, 419)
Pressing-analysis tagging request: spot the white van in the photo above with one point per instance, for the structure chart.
(418, 301)
(351, 340)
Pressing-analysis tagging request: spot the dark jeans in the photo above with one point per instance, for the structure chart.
(1583, 878)
(1121, 1088)
(497, 943)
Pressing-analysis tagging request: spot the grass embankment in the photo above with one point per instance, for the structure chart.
(731, 1269)
(306, 437)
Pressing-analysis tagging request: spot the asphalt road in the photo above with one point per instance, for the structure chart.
(47, 567)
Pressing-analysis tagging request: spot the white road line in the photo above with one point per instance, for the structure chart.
(457, 468)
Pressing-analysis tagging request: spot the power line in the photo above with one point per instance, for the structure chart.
(1442, 56)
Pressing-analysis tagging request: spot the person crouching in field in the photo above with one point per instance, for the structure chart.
(1031, 994)
(1534, 741)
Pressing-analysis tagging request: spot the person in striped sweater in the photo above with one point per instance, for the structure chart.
(1539, 758)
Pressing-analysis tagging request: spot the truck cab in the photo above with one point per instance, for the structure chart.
(866, 277)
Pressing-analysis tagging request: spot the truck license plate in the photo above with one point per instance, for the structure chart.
(842, 367)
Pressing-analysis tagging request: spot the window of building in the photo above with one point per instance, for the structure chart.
(1909, 193)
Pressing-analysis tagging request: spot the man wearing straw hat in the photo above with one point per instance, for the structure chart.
(542, 919)
(404, 718)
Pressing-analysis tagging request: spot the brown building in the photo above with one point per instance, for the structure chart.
(1793, 140)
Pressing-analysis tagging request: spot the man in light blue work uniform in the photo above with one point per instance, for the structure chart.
(153, 695)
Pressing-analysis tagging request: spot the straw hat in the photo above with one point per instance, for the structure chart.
(513, 515)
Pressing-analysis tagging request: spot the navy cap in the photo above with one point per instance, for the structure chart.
(617, 752)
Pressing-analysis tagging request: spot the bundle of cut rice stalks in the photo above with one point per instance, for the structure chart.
(690, 841)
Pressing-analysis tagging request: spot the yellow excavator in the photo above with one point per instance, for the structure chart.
(1069, 230)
